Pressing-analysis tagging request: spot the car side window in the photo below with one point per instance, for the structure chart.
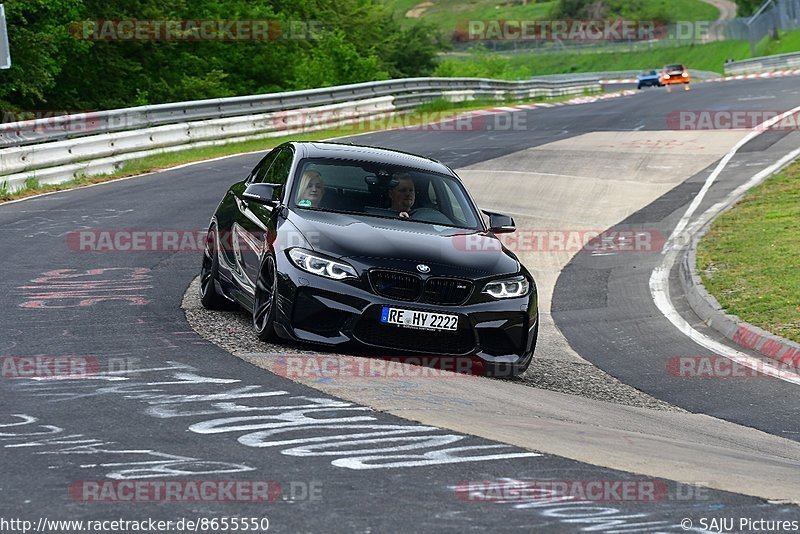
(260, 172)
(278, 172)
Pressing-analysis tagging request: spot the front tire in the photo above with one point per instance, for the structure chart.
(209, 274)
(266, 297)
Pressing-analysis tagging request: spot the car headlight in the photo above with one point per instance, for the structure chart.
(685, 74)
(666, 76)
(507, 288)
(320, 265)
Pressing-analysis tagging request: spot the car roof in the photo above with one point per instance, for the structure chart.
(317, 149)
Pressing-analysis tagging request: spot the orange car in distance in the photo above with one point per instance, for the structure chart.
(675, 74)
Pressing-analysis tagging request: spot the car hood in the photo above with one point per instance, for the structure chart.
(404, 244)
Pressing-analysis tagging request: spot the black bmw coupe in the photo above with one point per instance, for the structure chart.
(338, 244)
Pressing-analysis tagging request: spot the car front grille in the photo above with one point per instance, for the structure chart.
(392, 284)
(446, 290)
(410, 287)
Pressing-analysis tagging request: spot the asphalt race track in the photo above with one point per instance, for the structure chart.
(168, 404)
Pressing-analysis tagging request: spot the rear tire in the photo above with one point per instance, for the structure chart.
(209, 274)
(264, 303)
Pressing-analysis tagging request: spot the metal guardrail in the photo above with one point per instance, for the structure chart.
(93, 123)
(54, 150)
(764, 64)
(632, 74)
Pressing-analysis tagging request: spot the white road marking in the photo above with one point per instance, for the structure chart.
(755, 132)
(274, 413)
(659, 280)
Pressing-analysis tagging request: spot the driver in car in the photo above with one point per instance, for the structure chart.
(311, 190)
(403, 195)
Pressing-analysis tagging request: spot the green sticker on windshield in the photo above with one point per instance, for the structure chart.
(305, 203)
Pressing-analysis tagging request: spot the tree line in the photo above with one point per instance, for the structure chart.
(86, 54)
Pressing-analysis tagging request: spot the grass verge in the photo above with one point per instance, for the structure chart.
(446, 14)
(785, 42)
(427, 113)
(710, 57)
(748, 259)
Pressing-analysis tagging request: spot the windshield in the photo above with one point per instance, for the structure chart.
(673, 67)
(379, 190)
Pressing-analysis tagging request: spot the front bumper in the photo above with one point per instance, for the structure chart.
(334, 313)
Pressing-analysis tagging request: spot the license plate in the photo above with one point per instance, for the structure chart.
(419, 319)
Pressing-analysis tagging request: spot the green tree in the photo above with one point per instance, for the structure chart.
(351, 41)
(334, 61)
(412, 51)
(747, 7)
(40, 43)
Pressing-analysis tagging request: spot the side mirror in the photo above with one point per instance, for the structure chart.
(267, 194)
(499, 223)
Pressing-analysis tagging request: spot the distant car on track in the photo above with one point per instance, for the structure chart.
(310, 245)
(675, 74)
(648, 79)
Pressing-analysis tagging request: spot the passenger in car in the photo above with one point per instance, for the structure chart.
(403, 195)
(312, 189)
